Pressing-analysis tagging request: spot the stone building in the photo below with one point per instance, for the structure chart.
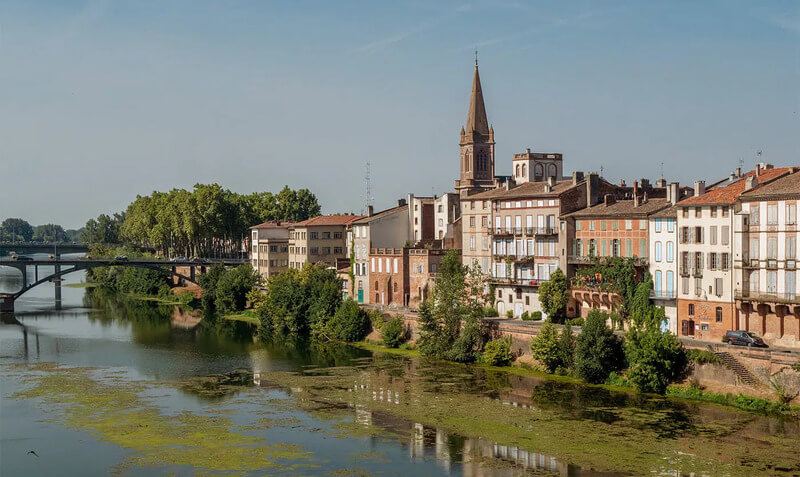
(706, 224)
(766, 293)
(320, 239)
(476, 145)
(269, 243)
(389, 228)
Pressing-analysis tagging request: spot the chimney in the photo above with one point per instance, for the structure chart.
(548, 188)
(750, 183)
(592, 189)
(738, 172)
(370, 211)
(636, 193)
(732, 177)
(507, 185)
(699, 188)
(622, 183)
(645, 183)
(608, 199)
(551, 181)
(674, 193)
(661, 183)
(528, 150)
(402, 202)
(577, 176)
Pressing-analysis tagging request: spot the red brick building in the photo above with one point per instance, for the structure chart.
(388, 275)
(423, 265)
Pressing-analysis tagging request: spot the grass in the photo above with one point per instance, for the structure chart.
(702, 356)
(248, 316)
(740, 401)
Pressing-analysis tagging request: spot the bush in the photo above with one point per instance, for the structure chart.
(230, 293)
(544, 347)
(702, 356)
(554, 296)
(576, 322)
(510, 314)
(497, 352)
(525, 316)
(566, 349)
(394, 332)
(536, 316)
(350, 322)
(598, 351)
(656, 359)
(376, 318)
(490, 312)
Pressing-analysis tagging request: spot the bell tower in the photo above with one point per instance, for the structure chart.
(476, 144)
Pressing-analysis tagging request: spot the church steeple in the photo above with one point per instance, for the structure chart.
(477, 143)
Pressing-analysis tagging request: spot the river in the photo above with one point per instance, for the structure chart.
(108, 384)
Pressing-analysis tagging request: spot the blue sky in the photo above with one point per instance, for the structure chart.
(101, 100)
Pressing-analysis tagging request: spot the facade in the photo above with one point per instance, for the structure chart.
(386, 229)
(613, 228)
(423, 265)
(537, 166)
(388, 275)
(269, 253)
(706, 224)
(663, 260)
(320, 239)
(447, 211)
(766, 294)
(421, 219)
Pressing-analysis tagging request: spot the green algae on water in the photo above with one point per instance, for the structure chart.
(114, 411)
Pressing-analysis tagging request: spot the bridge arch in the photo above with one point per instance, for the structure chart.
(78, 267)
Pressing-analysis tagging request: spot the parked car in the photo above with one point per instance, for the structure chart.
(121, 258)
(21, 258)
(744, 338)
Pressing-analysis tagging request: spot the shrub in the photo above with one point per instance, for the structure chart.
(702, 356)
(536, 316)
(525, 316)
(656, 358)
(497, 352)
(566, 349)
(466, 348)
(394, 333)
(576, 321)
(598, 351)
(490, 312)
(510, 314)
(350, 322)
(376, 318)
(544, 347)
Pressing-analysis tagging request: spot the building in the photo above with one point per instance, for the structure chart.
(269, 253)
(388, 275)
(766, 293)
(320, 239)
(447, 226)
(663, 260)
(613, 228)
(476, 145)
(386, 229)
(423, 265)
(421, 219)
(706, 224)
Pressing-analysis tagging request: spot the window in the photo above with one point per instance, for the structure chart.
(643, 225)
(713, 211)
(471, 221)
(472, 242)
(791, 247)
(789, 285)
(372, 264)
(592, 247)
(337, 250)
(718, 287)
(670, 225)
(657, 223)
(772, 214)
(670, 252)
(772, 248)
(685, 286)
(754, 247)
(754, 215)
(643, 248)
(485, 244)
(484, 221)
(698, 212)
(791, 214)
(685, 212)
(578, 225)
(725, 238)
(698, 235)
(312, 235)
(337, 235)
(703, 326)
(591, 225)
(603, 225)
(726, 261)
(724, 211)
(712, 234)
(314, 250)
(395, 267)
(658, 251)
(615, 244)
(691, 309)
(615, 225)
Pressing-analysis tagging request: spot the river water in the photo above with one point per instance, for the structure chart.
(108, 384)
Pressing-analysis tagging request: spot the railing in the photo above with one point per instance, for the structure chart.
(529, 231)
(697, 272)
(581, 259)
(546, 231)
(664, 294)
(769, 296)
(516, 281)
(591, 260)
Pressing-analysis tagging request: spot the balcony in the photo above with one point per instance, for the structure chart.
(697, 272)
(500, 231)
(546, 231)
(529, 282)
(529, 231)
(581, 260)
(767, 296)
(664, 294)
(772, 264)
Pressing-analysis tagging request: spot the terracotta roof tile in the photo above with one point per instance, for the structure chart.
(622, 208)
(328, 220)
(528, 189)
(728, 194)
(273, 224)
(787, 185)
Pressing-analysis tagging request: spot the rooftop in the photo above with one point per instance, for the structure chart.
(727, 195)
(622, 208)
(328, 220)
(273, 224)
(380, 215)
(784, 185)
(527, 189)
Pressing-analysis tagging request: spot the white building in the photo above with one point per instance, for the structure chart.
(663, 260)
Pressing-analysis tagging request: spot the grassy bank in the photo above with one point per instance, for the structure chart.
(619, 384)
(248, 316)
(82, 285)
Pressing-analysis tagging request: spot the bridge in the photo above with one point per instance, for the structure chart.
(63, 267)
(54, 248)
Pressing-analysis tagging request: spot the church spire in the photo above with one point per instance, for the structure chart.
(476, 115)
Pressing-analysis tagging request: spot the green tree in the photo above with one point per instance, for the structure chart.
(554, 296)
(497, 352)
(598, 351)
(350, 322)
(16, 230)
(49, 233)
(566, 348)
(655, 358)
(230, 294)
(394, 332)
(545, 347)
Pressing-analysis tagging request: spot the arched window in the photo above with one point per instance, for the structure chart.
(551, 170)
(719, 314)
(517, 170)
(538, 170)
(360, 285)
(376, 284)
(524, 170)
(395, 287)
(657, 285)
(670, 252)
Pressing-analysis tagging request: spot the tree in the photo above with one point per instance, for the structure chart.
(554, 296)
(566, 348)
(598, 351)
(49, 233)
(394, 332)
(545, 349)
(656, 358)
(231, 290)
(498, 352)
(350, 322)
(16, 230)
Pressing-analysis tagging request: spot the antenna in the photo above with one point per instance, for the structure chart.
(662, 169)
(368, 190)
(601, 170)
